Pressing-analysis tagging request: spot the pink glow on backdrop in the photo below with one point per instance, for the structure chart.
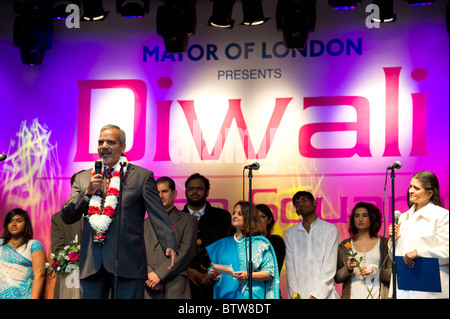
(211, 110)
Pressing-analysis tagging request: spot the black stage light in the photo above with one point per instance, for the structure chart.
(221, 14)
(344, 4)
(132, 9)
(386, 11)
(58, 8)
(93, 10)
(296, 19)
(33, 30)
(253, 12)
(175, 21)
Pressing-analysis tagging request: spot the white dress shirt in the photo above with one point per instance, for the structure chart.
(426, 231)
(198, 213)
(311, 260)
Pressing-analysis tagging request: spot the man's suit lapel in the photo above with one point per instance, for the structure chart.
(129, 174)
(175, 217)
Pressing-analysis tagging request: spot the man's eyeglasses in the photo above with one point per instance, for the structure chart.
(302, 200)
(197, 188)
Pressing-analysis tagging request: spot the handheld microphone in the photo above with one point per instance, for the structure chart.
(3, 157)
(98, 170)
(397, 214)
(254, 166)
(98, 167)
(396, 165)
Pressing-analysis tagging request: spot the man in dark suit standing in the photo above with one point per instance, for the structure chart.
(213, 224)
(61, 235)
(107, 250)
(161, 283)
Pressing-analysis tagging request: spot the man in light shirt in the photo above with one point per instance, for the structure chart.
(311, 252)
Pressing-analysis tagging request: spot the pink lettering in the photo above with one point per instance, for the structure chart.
(392, 88)
(361, 126)
(139, 88)
(234, 113)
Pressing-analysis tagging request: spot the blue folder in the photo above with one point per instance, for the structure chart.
(424, 276)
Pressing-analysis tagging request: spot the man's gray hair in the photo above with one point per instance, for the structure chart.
(122, 138)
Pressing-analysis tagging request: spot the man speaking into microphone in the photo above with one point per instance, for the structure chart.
(112, 244)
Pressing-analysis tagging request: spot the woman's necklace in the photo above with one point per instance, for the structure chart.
(238, 240)
(14, 243)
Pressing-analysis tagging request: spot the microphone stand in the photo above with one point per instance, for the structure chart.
(250, 262)
(394, 263)
(119, 214)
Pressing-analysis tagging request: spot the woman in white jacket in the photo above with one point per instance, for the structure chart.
(422, 231)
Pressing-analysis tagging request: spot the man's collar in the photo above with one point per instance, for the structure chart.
(199, 212)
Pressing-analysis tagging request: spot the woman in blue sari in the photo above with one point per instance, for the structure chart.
(234, 251)
(22, 259)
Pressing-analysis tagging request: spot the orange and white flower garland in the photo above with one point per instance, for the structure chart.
(101, 214)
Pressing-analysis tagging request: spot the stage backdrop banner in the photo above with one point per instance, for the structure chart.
(329, 118)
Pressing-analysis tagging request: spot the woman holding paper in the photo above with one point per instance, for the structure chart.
(423, 232)
(234, 251)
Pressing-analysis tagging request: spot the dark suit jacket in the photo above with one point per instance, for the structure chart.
(212, 226)
(139, 193)
(62, 234)
(175, 282)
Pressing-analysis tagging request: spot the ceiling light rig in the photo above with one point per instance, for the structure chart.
(296, 19)
(132, 9)
(33, 30)
(221, 14)
(176, 21)
(93, 10)
(386, 11)
(253, 12)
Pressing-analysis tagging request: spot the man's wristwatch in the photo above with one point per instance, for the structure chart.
(87, 196)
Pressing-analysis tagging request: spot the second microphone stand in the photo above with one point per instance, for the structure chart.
(394, 263)
(119, 214)
(250, 262)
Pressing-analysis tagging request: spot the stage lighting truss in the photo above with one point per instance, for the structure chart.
(58, 8)
(221, 14)
(296, 19)
(386, 11)
(33, 30)
(93, 10)
(344, 4)
(253, 12)
(132, 9)
(175, 21)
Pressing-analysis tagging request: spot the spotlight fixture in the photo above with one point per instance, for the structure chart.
(33, 30)
(419, 3)
(58, 8)
(253, 12)
(132, 9)
(296, 18)
(93, 10)
(175, 22)
(221, 14)
(344, 4)
(386, 11)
